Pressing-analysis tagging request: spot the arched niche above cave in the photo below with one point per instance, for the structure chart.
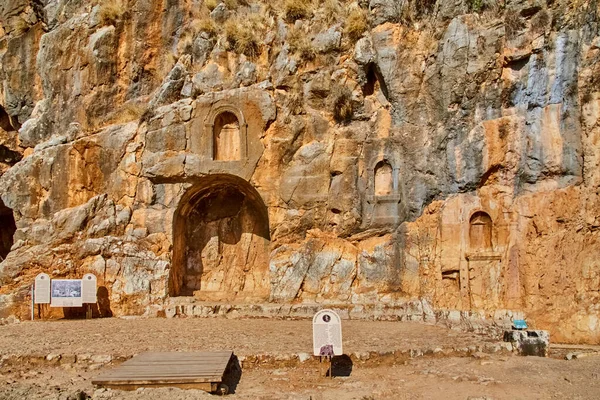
(480, 231)
(226, 137)
(228, 133)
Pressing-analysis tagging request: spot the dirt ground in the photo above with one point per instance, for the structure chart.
(483, 376)
(127, 337)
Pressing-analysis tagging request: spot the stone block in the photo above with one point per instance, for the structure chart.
(530, 342)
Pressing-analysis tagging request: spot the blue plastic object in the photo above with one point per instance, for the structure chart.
(519, 324)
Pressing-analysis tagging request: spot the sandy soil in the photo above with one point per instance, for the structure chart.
(496, 376)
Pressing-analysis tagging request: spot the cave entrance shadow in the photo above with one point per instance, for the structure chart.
(100, 309)
(233, 374)
(341, 365)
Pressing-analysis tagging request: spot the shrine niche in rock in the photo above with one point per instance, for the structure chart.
(221, 242)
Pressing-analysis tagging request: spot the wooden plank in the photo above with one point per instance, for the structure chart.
(182, 379)
(175, 362)
(168, 369)
(164, 373)
(187, 371)
(208, 387)
(178, 355)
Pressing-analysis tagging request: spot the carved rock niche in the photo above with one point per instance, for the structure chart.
(226, 137)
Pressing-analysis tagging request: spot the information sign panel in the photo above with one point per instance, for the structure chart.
(327, 334)
(41, 293)
(88, 288)
(66, 293)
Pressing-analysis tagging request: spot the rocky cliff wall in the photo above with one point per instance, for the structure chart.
(343, 153)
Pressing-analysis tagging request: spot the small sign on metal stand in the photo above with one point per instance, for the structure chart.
(41, 292)
(88, 293)
(327, 338)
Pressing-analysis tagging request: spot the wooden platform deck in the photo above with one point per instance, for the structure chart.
(197, 370)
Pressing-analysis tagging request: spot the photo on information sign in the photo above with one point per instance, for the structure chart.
(66, 288)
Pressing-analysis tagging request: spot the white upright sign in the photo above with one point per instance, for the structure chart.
(327, 334)
(66, 293)
(41, 291)
(88, 288)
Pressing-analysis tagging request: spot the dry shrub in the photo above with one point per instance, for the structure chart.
(356, 24)
(204, 25)
(540, 21)
(297, 9)
(300, 44)
(196, 26)
(343, 109)
(211, 4)
(234, 4)
(512, 24)
(295, 100)
(332, 11)
(243, 34)
(19, 26)
(271, 10)
(424, 7)
(110, 12)
(231, 4)
(184, 45)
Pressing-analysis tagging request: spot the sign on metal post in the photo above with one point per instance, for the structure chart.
(66, 293)
(327, 334)
(41, 292)
(88, 288)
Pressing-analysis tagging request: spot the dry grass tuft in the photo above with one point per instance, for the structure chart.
(512, 24)
(243, 34)
(204, 25)
(356, 24)
(297, 9)
(332, 11)
(343, 109)
(541, 21)
(19, 26)
(110, 12)
(211, 4)
(300, 44)
(234, 4)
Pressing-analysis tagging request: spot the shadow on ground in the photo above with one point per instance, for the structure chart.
(233, 374)
(341, 365)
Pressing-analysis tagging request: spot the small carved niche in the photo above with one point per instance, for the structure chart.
(384, 179)
(480, 231)
(226, 137)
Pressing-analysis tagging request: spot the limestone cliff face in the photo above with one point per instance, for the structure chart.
(444, 156)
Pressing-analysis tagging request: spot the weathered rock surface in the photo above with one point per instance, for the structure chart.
(448, 156)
